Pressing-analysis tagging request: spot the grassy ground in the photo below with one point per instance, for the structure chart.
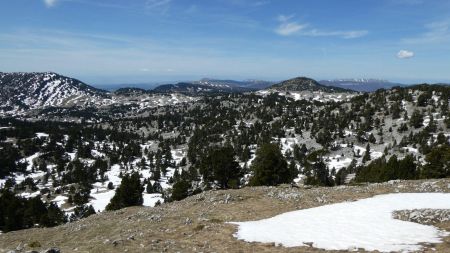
(198, 223)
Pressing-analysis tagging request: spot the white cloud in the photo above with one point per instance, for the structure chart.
(50, 3)
(287, 27)
(405, 54)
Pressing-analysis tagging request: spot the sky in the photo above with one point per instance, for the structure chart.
(148, 41)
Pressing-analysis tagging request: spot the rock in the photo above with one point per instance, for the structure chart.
(51, 250)
(310, 244)
(19, 247)
(116, 242)
(227, 198)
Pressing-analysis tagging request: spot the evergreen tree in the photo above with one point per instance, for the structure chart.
(366, 156)
(221, 166)
(180, 190)
(438, 163)
(320, 175)
(416, 119)
(129, 193)
(270, 167)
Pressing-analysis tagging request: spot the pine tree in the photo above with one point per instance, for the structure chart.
(270, 167)
(366, 156)
(129, 193)
(180, 190)
(221, 166)
(416, 120)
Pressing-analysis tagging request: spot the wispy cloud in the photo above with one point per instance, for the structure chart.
(436, 32)
(405, 54)
(287, 27)
(160, 6)
(247, 3)
(50, 3)
(342, 34)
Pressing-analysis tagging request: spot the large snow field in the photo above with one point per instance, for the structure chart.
(363, 224)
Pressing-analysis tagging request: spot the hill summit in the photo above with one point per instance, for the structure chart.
(305, 84)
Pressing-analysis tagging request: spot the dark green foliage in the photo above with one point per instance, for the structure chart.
(20, 213)
(319, 175)
(366, 156)
(129, 193)
(438, 163)
(82, 211)
(110, 186)
(8, 155)
(270, 167)
(416, 119)
(180, 190)
(381, 170)
(221, 166)
(54, 216)
(423, 99)
(372, 138)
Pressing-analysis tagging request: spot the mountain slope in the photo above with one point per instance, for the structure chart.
(195, 88)
(361, 85)
(305, 84)
(200, 223)
(35, 90)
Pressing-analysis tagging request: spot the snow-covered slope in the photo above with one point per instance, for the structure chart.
(21, 93)
(36, 90)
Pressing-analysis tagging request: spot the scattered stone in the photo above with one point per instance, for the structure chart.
(227, 198)
(188, 221)
(423, 216)
(117, 242)
(51, 250)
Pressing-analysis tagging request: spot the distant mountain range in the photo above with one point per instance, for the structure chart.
(195, 88)
(249, 84)
(361, 85)
(208, 85)
(39, 90)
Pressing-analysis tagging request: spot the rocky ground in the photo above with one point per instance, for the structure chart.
(199, 223)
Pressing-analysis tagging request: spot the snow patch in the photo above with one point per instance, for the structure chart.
(366, 224)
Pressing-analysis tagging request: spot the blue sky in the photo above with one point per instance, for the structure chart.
(129, 41)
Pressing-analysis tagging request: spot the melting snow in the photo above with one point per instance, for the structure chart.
(366, 224)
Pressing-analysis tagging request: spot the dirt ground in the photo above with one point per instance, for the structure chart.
(199, 223)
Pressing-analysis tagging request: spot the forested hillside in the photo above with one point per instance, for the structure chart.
(64, 164)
